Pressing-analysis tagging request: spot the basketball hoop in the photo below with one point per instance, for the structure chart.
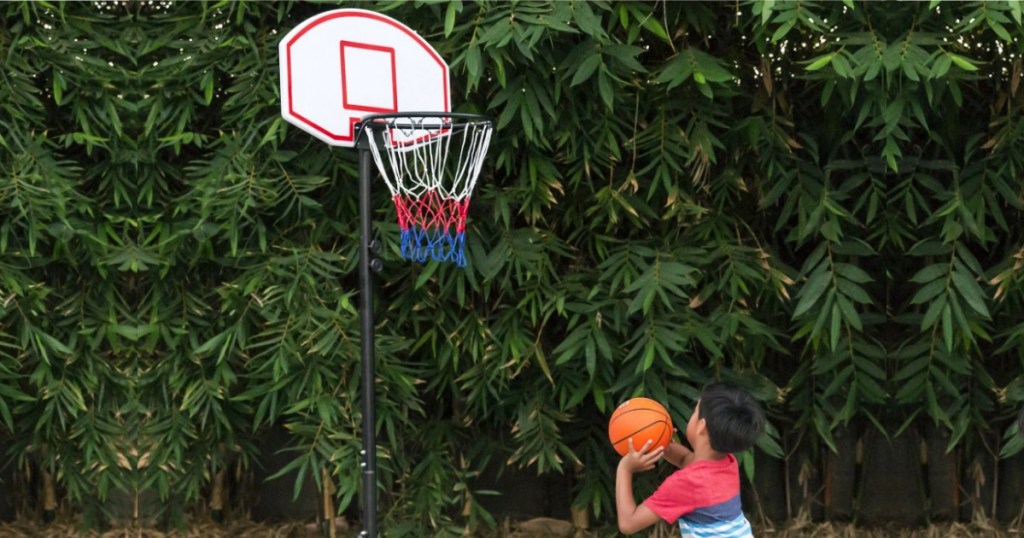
(338, 66)
(430, 162)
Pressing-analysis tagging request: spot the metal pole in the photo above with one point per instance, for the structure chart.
(366, 261)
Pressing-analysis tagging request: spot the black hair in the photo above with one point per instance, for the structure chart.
(734, 419)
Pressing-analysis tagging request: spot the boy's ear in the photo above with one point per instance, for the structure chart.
(702, 427)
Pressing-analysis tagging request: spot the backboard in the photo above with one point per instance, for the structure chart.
(341, 65)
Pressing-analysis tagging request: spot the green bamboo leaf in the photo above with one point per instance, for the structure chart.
(208, 86)
(766, 10)
(842, 66)
(783, 29)
(912, 369)
(819, 62)
(627, 55)
(849, 312)
(854, 273)
(840, 383)
(971, 292)
(968, 258)
(910, 71)
(58, 87)
(910, 391)
(836, 330)
(853, 291)
(961, 62)
(5, 413)
(605, 88)
(943, 380)
(963, 323)
(872, 391)
(934, 409)
(814, 258)
(963, 421)
(586, 69)
(929, 291)
(930, 273)
(473, 62)
(651, 24)
(811, 292)
(542, 361)
(676, 71)
(947, 327)
(50, 342)
(451, 11)
(874, 68)
(1000, 30)
(936, 307)
(849, 406)
(941, 66)
(589, 23)
(892, 57)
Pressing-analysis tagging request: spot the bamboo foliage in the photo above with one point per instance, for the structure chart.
(819, 201)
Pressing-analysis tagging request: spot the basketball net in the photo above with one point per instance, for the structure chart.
(430, 165)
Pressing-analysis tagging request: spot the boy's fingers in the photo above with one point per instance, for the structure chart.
(646, 449)
(642, 449)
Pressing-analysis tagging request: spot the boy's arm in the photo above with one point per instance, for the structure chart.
(678, 455)
(632, 517)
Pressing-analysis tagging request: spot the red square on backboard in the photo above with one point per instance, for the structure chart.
(368, 77)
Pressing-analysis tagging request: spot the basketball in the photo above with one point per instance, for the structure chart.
(642, 419)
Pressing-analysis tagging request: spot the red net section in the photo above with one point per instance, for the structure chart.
(431, 211)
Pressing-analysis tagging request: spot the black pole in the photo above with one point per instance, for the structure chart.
(366, 260)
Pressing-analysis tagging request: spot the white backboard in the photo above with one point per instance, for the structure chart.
(341, 65)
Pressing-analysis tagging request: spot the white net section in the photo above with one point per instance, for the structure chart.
(430, 165)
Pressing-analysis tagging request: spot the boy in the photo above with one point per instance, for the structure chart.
(703, 496)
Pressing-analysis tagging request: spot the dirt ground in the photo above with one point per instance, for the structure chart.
(539, 528)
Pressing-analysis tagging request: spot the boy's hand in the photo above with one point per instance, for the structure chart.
(633, 518)
(640, 460)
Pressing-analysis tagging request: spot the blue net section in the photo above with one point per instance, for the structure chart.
(434, 244)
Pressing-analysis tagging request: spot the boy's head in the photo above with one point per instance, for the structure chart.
(733, 418)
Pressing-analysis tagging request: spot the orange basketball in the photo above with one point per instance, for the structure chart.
(642, 419)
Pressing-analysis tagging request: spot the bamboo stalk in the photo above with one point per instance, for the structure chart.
(49, 497)
(328, 493)
(217, 497)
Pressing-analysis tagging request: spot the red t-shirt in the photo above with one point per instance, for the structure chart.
(703, 491)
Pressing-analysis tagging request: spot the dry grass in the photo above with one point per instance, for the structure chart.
(832, 530)
(245, 529)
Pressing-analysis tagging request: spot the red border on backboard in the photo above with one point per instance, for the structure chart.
(390, 51)
(369, 15)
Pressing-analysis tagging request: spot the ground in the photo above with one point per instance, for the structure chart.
(538, 528)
